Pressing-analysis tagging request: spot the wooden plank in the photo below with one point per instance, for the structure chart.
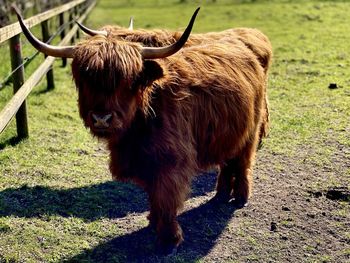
(11, 30)
(16, 101)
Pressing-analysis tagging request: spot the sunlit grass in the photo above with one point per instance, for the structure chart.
(61, 163)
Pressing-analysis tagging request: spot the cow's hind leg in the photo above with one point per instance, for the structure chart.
(235, 177)
(242, 185)
(224, 185)
(265, 123)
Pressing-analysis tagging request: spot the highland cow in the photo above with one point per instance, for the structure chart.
(168, 113)
(252, 38)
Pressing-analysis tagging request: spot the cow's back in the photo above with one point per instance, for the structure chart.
(220, 92)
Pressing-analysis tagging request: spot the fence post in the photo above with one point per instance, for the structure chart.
(46, 37)
(63, 34)
(18, 80)
(84, 7)
(71, 15)
(76, 13)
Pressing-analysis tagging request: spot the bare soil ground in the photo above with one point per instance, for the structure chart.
(288, 219)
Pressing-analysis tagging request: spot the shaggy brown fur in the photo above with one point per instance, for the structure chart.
(252, 38)
(174, 117)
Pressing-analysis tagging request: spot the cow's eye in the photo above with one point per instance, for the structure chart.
(134, 86)
(119, 114)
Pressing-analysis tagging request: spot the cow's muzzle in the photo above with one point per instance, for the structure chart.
(101, 121)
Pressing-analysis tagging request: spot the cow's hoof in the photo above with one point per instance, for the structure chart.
(167, 250)
(240, 202)
(222, 198)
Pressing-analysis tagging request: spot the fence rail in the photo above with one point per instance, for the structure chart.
(17, 104)
(11, 30)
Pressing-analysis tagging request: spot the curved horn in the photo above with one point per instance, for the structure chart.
(91, 32)
(131, 23)
(162, 52)
(61, 52)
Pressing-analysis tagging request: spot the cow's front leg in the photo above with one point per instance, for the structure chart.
(167, 196)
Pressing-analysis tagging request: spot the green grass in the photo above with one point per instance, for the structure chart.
(56, 200)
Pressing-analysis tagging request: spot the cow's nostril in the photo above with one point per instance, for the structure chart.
(108, 118)
(101, 121)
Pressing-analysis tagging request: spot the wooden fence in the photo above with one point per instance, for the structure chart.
(11, 33)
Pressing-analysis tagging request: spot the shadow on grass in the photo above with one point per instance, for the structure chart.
(10, 142)
(202, 226)
(110, 199)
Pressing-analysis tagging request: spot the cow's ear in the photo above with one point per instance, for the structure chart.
(151, 71)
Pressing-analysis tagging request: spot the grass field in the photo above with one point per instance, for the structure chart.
(57, 201)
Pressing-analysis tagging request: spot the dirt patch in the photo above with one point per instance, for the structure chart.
(288, 218)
